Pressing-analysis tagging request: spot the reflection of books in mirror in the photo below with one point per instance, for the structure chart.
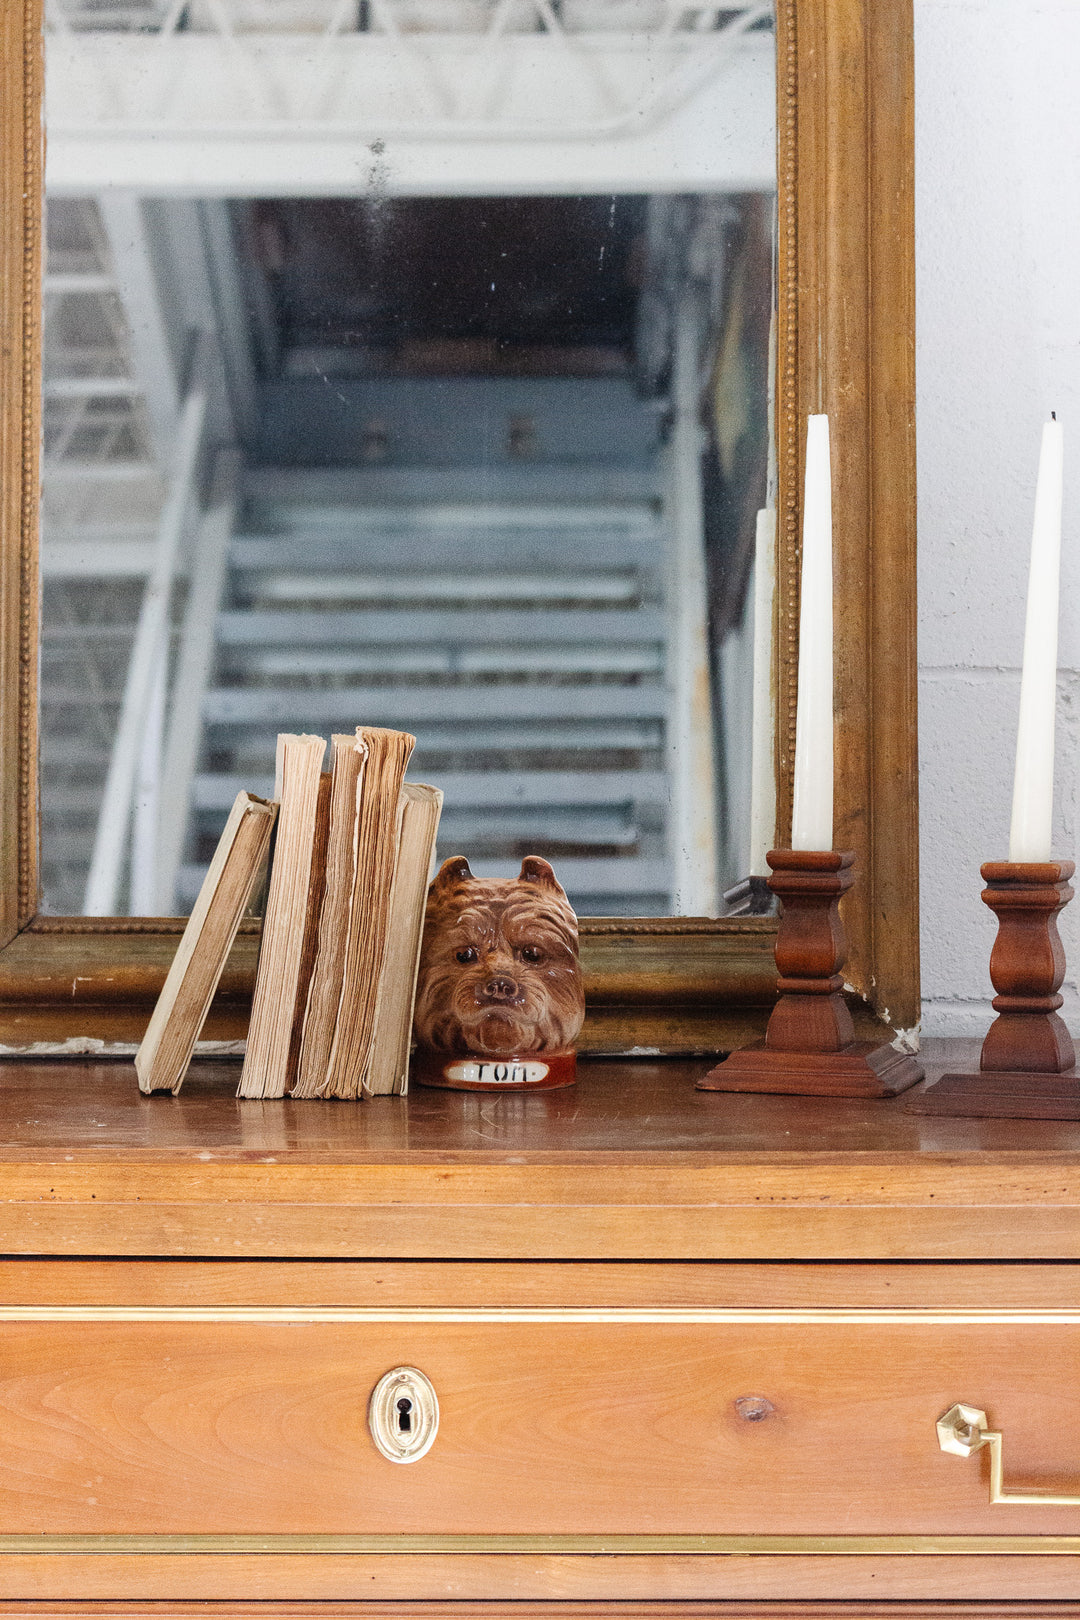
(185, 998)
(316, 890)
(347, 756)
(387, 1071)
(290, 916)
(378, 816)
(255, 910)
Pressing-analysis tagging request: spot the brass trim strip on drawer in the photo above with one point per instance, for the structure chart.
(673, 1315)
(557, 1546)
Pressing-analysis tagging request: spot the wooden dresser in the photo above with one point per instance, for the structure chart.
(688, 1348)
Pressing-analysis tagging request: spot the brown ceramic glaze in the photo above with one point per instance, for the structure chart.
(499, 970)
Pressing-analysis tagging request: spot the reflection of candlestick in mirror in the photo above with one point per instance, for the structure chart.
(762, 773)
(812, 808)
(1033, 786)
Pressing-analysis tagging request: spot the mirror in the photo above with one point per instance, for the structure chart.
(844, 304)
(408, 363)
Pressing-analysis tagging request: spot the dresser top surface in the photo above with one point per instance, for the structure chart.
(637, 1111)
(631, 1163)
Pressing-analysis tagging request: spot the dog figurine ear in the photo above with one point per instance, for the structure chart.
(536, 870)
(454, 870)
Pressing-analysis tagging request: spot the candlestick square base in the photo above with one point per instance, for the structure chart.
(860, 1070)
(989, 1095)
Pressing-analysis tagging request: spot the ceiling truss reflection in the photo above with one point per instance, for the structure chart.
(272, 95)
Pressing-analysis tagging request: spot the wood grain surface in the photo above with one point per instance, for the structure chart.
(539, 1285)
(546, 1428)
(21, 167)
(631, 1164)
(606, 1582)
(517, 1611)
(846, 271)
(595, 1419)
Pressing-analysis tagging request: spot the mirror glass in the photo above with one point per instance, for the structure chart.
(407, 362)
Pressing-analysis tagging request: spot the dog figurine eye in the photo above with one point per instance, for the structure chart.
(531, 953)
(468, 954)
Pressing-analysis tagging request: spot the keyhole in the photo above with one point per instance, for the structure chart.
(403, 1415)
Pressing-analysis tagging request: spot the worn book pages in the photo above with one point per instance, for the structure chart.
(185, 998)
(276, 1005)
(348, 753)
(369, 907)
(387, 1071)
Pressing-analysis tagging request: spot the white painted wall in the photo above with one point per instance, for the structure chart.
(998, 278)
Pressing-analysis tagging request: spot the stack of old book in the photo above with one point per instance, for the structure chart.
(349, 863)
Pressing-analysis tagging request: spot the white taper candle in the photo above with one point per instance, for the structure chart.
(1033, 783)
(812, 808)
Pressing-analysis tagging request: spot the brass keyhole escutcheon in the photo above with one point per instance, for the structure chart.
(403, 1415)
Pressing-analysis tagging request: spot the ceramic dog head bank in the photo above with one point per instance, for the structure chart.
(499, 1000)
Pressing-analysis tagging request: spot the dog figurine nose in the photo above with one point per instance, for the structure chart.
(501, 989)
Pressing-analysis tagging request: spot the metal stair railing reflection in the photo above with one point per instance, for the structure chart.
(135, 760)
(194, 666)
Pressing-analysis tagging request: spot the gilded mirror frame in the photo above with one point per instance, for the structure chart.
(845, 333)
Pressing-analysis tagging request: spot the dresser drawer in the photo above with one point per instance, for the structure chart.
(560, 1421)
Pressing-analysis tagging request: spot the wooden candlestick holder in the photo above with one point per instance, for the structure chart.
(810, 1047)
(1027, 1069)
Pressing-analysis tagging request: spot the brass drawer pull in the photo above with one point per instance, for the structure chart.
(963, 1431)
